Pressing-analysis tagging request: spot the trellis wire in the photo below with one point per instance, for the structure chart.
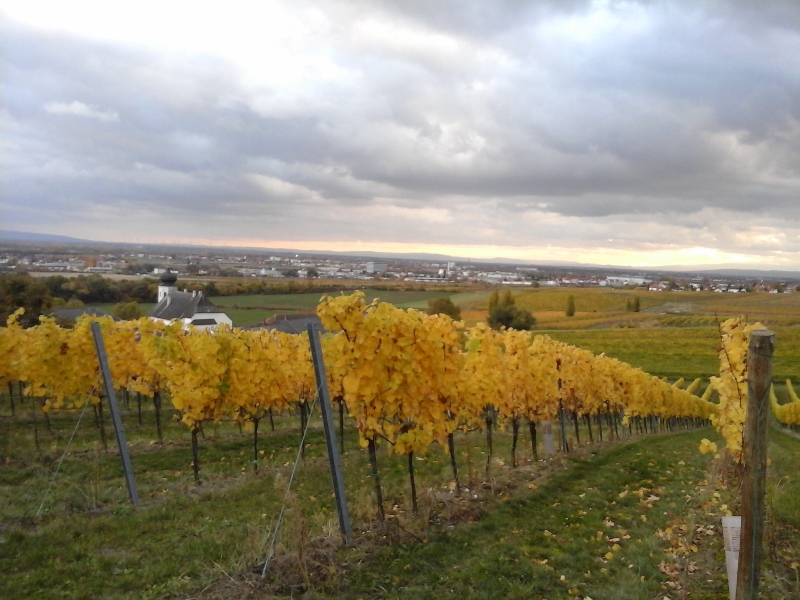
(60, 460)
(271, 550)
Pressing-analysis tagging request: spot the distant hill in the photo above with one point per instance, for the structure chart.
(39, 238)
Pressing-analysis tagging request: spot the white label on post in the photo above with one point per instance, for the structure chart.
(732, 531)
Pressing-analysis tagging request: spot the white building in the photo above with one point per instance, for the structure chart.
(626, 280)
(190, 308)
(376, 267)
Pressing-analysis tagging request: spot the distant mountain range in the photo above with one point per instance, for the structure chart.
(699, 270)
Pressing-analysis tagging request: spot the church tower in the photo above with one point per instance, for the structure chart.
(167, 285)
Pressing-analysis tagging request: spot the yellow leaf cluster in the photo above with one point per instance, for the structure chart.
(405, 377)
(788, 414)
(731, 385)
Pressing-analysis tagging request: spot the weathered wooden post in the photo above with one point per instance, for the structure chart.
(754, 456)
(547, 436)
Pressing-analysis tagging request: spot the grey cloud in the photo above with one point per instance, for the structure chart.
(695, 108)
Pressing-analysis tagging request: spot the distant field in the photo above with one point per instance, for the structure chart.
(679, 352)
(674, 335)
(594, 300)
(246, 311)
(603, 307)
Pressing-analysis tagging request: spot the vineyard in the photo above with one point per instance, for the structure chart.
(406, 378)
(418, 396)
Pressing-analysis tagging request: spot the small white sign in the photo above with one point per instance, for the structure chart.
(732, 532)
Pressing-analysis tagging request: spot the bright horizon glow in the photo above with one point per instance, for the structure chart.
(688, 257)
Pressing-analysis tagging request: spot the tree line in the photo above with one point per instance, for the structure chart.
(42, 296)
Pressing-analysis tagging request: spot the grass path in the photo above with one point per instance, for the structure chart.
(588, 531)
(632, 521)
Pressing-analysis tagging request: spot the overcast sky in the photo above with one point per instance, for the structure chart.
(627, 133)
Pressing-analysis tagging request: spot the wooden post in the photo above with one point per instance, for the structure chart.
(754, 456)
(547, 436)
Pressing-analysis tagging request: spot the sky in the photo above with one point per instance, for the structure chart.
(645, 133)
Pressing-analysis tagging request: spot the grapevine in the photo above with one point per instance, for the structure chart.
(731, 385)
(407, 379)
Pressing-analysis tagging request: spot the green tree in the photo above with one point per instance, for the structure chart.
(128, 311)
(512, 317)
(92, 289)
(210, 289)
(20, 290)
(570, 311)
(55, 283)
(312, 273)
(494, 299)
(507, 299)
(635, 304)
(444, 306)
(74, 303)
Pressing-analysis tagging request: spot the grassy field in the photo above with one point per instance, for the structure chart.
(679, 352)
(631, 521)
(246, 311)
(569, 527)
(566, 527)
(596, 308)
(675, 334)
(602, 308)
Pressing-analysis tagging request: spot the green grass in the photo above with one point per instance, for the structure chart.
(553, 542)
(604, 307)
(513, 535)
(186, 538)
(184, 534)
(586, 299)
(678, 352)
(626, 522)
(784, 449)
(270, 302)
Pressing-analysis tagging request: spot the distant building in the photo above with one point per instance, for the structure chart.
(191, 308)
(376, 267)
(103, 269)
(620, 281)
(270, 273)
